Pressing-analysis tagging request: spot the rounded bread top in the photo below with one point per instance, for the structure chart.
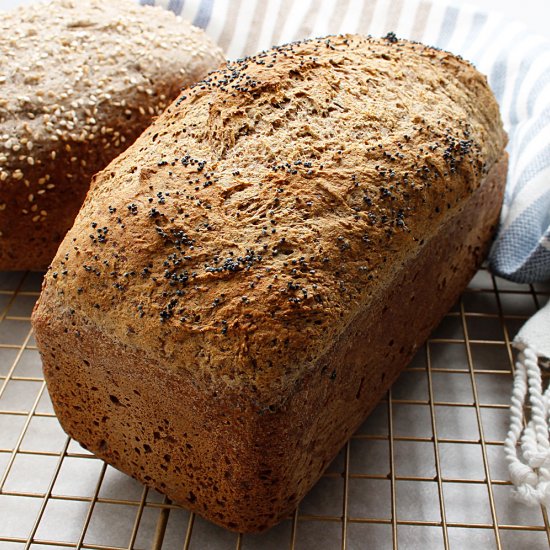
(80, 74)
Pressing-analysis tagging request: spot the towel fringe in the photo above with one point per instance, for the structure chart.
(529, 462)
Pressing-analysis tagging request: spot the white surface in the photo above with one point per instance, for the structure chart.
(534, 13)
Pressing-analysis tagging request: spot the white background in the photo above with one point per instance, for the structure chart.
(534, 13)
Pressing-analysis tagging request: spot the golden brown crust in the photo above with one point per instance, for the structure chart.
(79, 81)
(238, 465)
(248, 226)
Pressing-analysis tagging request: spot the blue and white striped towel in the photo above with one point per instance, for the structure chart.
(518, 68)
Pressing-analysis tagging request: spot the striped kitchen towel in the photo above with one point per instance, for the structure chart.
(517, 64)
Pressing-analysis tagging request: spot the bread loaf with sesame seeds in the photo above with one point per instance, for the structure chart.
(79, 81)
(245, 282)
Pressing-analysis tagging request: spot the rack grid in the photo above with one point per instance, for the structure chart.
(426, 470)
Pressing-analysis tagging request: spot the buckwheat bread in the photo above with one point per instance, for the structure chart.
(245, 282)
(79, 82)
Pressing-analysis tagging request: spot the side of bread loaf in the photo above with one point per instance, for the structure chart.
(79, 82)
(281, 241)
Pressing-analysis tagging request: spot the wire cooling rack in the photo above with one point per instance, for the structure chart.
(426, 470)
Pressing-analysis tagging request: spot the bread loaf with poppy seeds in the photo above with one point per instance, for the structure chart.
(244, 283)
(79, 82)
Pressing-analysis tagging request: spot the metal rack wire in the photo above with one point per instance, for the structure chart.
(426, 469)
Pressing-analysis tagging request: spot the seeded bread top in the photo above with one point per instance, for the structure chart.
(243, 232)
(78, 78)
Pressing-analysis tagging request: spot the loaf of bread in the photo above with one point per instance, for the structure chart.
(245, 282)
(79, 81)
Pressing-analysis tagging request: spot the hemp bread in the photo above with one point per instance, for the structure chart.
(79, 82)
(244, 283)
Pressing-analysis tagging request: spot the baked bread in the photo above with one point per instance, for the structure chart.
(245, 282)
(79, 81)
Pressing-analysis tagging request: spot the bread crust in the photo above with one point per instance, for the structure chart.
(259, 364)
(240, 467)
(79, 82)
